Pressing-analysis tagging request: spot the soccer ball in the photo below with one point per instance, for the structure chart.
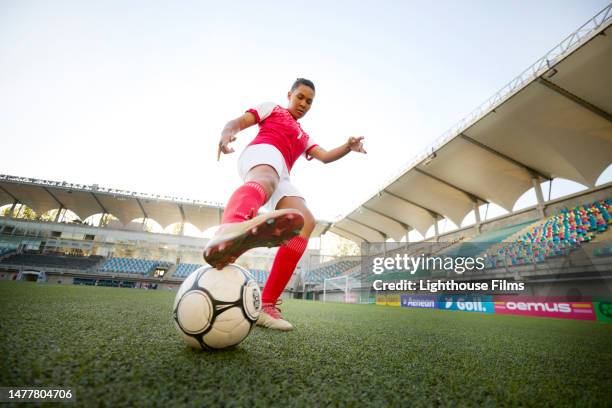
(215, 309)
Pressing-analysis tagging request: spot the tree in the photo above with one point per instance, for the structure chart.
(347, 248)
(106, 218)
(176, 228)
(20, 211)
(49, 215)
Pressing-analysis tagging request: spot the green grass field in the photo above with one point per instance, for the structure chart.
(118, 347)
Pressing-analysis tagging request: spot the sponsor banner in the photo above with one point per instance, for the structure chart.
(388, 300)
(544, 307)
(603, 310)
(419, 301)
(393, 300)
(466, 303)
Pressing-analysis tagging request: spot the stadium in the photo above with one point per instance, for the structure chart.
(88, 273)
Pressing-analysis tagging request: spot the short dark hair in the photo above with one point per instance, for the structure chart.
(302, 81)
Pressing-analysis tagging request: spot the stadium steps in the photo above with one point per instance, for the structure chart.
(603, 236)
(329, 270)
(96, 267)
(171, 270)
(489, 240)
(501, 234)
(523, 231)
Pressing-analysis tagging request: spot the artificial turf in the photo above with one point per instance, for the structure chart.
(118, 347)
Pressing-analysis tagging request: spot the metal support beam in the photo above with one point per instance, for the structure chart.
(101, 219)
(104, 210)
(436, 230)
(579, 101)
(351, 233)
(58, 213)
(19, 210)
(471, 196)
(61, 205)
(540, 197)
(477, 216)
(430, 211)
(54, 197)
(404, 226)
(10, 195)
(525, 167)
(10, 214)
(382, 234)
(142, 208)
(326, 229)
(182, 231)
(63, 215)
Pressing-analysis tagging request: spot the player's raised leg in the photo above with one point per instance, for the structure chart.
(286, 260)
(241, 229)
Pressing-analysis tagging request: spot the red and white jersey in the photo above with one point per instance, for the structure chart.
(278, 128)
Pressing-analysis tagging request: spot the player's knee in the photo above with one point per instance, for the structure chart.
(269, 184)
(267, 180)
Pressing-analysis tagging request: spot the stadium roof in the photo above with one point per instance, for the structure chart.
(552, 121)
(87, 200)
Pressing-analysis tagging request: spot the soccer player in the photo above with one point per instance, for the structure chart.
(265, 165)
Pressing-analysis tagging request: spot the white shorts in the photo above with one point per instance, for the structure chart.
(254, 155)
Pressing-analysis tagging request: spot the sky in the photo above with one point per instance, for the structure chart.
(134, 94)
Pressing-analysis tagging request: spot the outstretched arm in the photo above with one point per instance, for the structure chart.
(228, 134)
(354, 144)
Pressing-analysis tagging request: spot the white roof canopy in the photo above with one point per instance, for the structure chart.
(553, 121)
(84, 201)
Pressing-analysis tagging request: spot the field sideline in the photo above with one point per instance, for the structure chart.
(119, 347)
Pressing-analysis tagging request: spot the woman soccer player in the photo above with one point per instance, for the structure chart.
(265, 165)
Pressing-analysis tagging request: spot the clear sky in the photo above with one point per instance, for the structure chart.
(134, 94)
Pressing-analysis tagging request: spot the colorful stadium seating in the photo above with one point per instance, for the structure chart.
(556, 236)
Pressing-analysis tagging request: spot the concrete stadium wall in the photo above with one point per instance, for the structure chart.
(60, 279)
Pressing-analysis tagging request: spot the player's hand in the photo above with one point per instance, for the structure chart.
(224, 145)
(355, 144)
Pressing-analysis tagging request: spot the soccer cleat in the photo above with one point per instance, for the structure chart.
(271, 318)
(267, 230)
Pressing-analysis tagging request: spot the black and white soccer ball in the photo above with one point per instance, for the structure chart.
(215, 309)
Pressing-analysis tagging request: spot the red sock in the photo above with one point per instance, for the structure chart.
(244, 203)
(286, 260)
